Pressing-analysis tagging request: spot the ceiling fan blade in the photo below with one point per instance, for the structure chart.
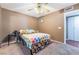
(30, 9)
(46, 7)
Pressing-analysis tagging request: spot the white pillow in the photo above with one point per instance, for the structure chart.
(30, 31)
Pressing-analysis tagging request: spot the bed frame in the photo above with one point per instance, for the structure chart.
(35, 48)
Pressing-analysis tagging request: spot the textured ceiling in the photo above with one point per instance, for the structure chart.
(25, 7)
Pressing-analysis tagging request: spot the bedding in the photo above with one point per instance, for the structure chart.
(34, 39)
(28, 31)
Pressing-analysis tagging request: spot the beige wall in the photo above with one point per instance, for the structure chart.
(51, 24)
(0, 25)
(14, 21)
(11, 21)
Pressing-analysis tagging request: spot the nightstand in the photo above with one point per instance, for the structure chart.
(11, 36)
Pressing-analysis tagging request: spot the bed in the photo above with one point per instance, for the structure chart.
(34, 40)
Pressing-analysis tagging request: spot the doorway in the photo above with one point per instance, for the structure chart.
(72, 28)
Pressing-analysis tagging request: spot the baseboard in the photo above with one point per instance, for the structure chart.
(6, 43)
(57, 41)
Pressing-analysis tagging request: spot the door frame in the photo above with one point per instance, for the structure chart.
(71, 13)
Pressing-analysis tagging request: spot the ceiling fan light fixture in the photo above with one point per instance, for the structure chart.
(37, 11)
(37, 8)
(42, 8)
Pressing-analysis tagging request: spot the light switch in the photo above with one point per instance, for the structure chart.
(42, 20)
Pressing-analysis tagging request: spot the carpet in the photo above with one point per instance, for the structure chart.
(57, 48)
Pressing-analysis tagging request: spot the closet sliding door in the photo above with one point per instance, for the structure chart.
(73, 28)
(76, 29)
(70, 28)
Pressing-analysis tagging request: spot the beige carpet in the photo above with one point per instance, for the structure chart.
(53, 49)
(12, 49)
(57, 48)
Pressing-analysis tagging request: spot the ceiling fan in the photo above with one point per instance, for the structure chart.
(41, 8)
